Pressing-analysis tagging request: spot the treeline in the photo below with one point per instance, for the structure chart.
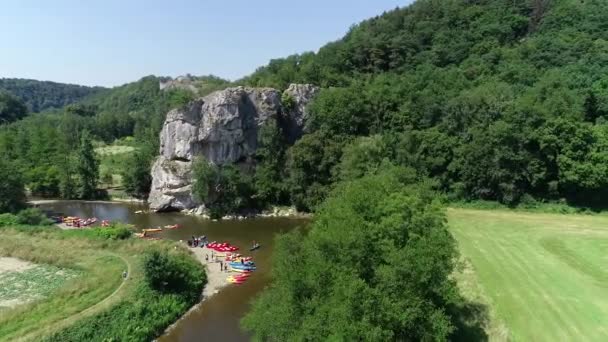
(491, 100)
(53, 153)
(39, 96)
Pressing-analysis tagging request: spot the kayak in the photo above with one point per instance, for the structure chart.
(239, 263)
(255, 247)
(242, 267)
(234, 281)
(175, 226)
(142, 236)
(152, 230)
(239, 276)
(238, 258)
(241, 271)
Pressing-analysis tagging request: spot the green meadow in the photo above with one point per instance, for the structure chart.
(544, 277)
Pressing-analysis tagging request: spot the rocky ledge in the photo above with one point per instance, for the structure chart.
(222, 127)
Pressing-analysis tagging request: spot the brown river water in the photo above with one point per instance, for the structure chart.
(218, 318)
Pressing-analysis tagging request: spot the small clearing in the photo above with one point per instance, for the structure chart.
(22, 282)
(114, 149)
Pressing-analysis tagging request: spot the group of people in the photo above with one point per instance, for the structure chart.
(200, 241)
(214, 258)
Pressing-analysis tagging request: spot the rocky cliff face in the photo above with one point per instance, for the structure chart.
(223, 127)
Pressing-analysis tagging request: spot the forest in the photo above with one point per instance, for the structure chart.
(491, 100)
(39, 96)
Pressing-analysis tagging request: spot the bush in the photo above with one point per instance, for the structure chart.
(116, 232)
(33, 217)
(173, 273)
(8, 220)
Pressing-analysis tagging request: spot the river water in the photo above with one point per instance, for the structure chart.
(218, 319)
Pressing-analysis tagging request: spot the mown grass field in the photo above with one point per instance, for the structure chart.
(545, 276)
(96, 285)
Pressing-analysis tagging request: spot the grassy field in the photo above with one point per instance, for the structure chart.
(545, 276)
(98, 277)
(34, 283)
(74, 284)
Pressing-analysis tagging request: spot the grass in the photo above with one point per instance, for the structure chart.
(94, 294)
(99, 275)
(111, 161)
(544, 276)
(34, 283)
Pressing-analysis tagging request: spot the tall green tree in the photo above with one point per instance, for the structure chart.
(375, 266)
(87, 168)
(136, 177)
(12, 189)
(11, 108)
(269, 179)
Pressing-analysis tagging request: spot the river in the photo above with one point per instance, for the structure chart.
(218, 318)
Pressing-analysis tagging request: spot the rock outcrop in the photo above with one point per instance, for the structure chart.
(223, 127)
(297, 115)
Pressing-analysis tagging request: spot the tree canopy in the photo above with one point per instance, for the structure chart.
(39, 96)
(494, 100)
(375, 266)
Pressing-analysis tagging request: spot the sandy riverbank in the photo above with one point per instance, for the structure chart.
(216, 279)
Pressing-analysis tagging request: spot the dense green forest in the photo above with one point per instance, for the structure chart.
(491, 99)
(51, 151)
(39, 96)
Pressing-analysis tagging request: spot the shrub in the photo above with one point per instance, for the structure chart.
(8, 220)
(173, 273)
(33, 217)
(115, 232)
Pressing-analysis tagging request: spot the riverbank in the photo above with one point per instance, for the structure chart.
(114, 200)
(216, 280)
(273, 212)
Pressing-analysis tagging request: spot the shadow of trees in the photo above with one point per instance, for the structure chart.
(470, 319)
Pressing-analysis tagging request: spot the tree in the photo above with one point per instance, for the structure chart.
(87, 168)
(136, 178)
(310, 167)
(12, 191)
(11, 108)
(222, 189)
(375, 266)
(269, 179)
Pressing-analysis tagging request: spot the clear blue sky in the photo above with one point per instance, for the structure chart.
(111, 42)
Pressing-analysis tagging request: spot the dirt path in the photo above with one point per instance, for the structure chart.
(99, 306)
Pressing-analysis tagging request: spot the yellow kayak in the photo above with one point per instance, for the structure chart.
(235, 280)
(152, 230)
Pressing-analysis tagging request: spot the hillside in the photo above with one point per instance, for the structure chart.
(490, 99)
(42, 95)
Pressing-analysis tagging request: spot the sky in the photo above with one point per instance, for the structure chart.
(112, 42)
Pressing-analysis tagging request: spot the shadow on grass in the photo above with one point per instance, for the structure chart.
(470, 320)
